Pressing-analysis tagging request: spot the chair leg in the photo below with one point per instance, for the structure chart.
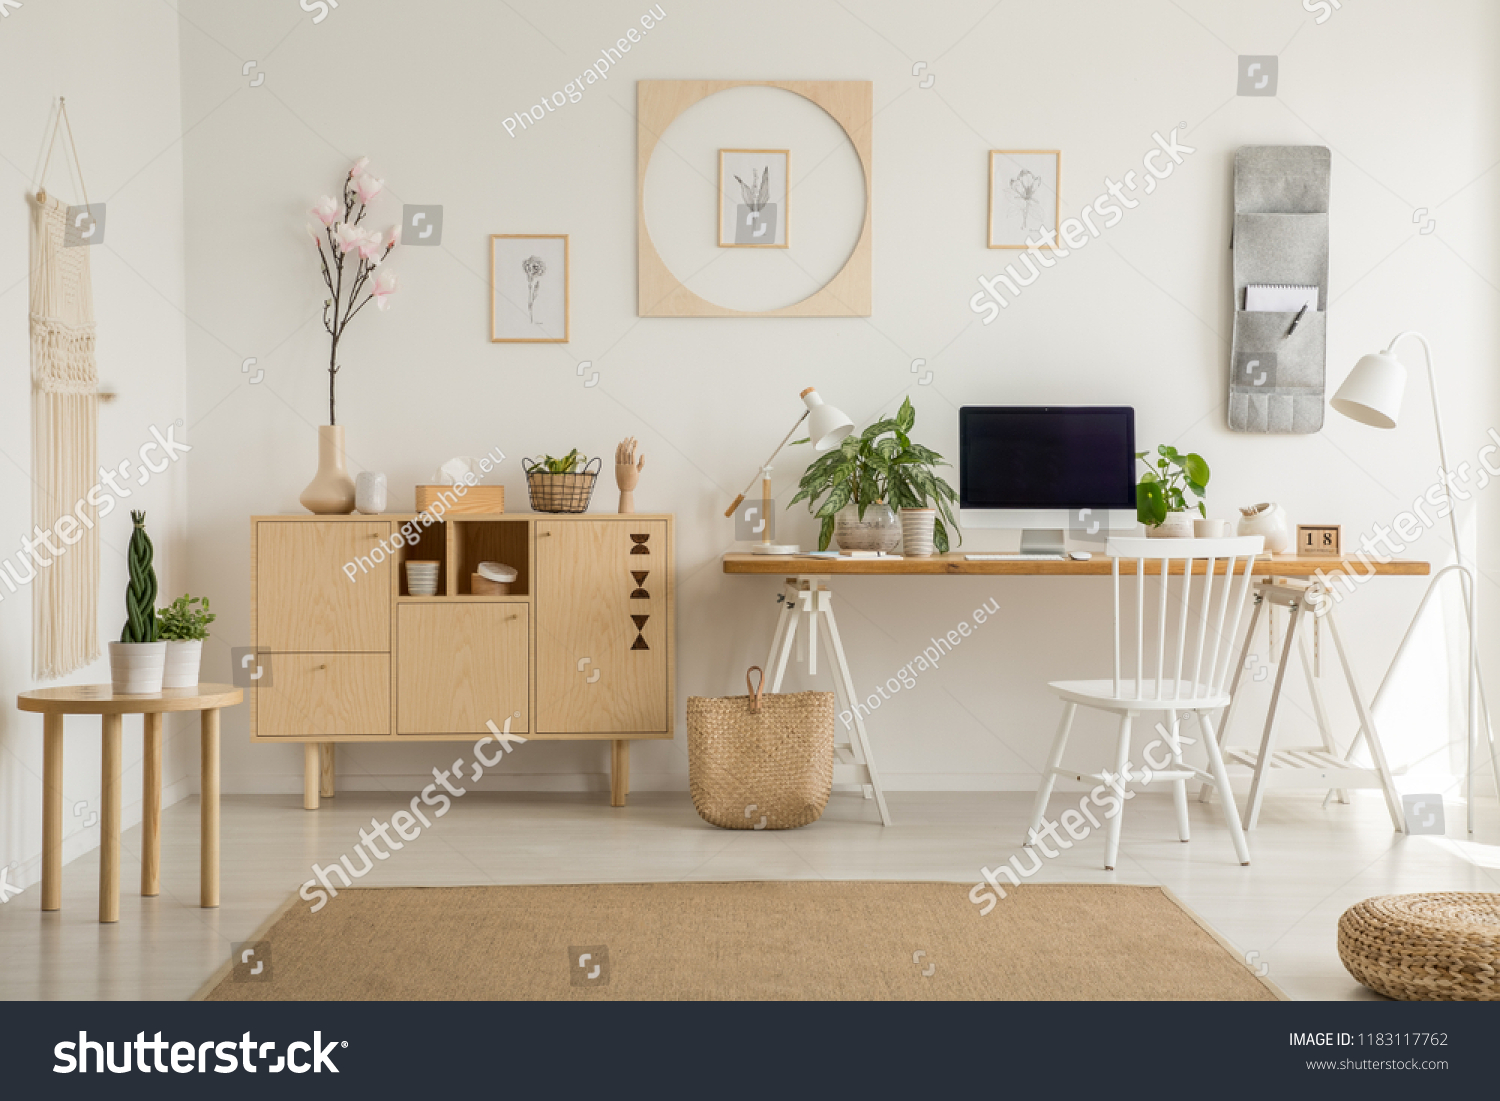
(1049, 777)
(1179, 787)
(1226, 793)
(1122, 760)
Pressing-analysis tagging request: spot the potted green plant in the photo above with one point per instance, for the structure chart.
(561, 485)
(184, 628)
(854, 488)
(1161, 496)
(137, 661)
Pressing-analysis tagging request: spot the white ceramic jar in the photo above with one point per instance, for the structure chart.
(1267, 519)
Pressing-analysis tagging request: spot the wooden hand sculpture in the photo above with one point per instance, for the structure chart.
(628, 473)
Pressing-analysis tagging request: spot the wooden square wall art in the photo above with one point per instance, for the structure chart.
(1025, 196)
(754, 198)
(529, 288)
(850, 103)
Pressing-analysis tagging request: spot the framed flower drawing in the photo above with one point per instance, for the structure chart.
(529, 288)
(753, 194)
(1025, 196)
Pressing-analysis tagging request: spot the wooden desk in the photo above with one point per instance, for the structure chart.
(955, 565)
(99, 699)
(808, 599)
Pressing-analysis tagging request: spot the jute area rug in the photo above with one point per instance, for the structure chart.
(741, 941)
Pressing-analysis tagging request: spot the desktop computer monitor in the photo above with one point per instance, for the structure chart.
(1047, 470)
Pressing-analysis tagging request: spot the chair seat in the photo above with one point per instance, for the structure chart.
(1175, 696)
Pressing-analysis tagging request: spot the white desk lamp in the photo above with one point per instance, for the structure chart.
(1371, 394)
(826, 428)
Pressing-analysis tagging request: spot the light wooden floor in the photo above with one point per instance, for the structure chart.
(1309, 865)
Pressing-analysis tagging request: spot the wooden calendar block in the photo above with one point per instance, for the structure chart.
(1319, 541)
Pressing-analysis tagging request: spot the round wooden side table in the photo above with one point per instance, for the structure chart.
(99, 699)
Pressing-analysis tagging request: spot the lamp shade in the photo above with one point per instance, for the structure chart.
(1372, 392)
(826, 426)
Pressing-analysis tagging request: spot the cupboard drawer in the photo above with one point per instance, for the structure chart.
(305, 599)
(315, 696)
(461, 666)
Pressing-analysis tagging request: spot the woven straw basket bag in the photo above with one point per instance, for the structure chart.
(760, 761)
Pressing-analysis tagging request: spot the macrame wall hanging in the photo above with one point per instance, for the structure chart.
(64, 431)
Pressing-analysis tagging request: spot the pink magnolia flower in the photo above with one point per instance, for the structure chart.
(385, 286)
(395, 236)
(327, 211)
(348, 236)
(359, 166)
(312, 231)
(371, 246)
(368, 187)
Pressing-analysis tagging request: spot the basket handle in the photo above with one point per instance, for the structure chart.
(597, 463)
(755, 689)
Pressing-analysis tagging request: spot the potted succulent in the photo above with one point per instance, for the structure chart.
(854, 488)
(561, 485)
(137, 661)
(184, 628)
(1161, 495)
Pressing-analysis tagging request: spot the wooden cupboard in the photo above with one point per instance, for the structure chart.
(582, 647)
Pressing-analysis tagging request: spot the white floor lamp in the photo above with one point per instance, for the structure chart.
(1372, 394)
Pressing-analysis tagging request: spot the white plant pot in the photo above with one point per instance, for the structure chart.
(1177, 525)
(916, 531)
(136, 668)
(183, 660)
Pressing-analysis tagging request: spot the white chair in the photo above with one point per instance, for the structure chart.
(1166, 689)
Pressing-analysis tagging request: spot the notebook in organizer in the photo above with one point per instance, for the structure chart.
(1279, 298)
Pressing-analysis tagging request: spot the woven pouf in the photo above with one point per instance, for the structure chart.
(1425, 948)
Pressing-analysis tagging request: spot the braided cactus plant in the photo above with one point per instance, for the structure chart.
(140, 597)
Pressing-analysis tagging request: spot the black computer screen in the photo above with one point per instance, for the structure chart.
(1045, 457)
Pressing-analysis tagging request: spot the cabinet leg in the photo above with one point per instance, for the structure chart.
(52, 816)
(311, 775)
(109, 819)
(208, 813)
(619, 772)
(151, 806)
(325, 769)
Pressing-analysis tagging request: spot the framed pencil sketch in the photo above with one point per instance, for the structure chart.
(1025, 196)
(529, 288)
(754, 187)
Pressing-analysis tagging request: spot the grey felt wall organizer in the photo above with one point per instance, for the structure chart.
(1280, 237)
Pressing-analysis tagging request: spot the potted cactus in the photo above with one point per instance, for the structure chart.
(184, 628)
(137, 661)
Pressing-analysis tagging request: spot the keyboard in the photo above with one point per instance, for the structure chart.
(1016, 557)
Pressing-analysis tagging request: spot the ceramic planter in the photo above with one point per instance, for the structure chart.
(1177, 525)
(184, 656)
(916, 531)
(136, 668)
(331, 493)
(1269, 520)
(880, 530)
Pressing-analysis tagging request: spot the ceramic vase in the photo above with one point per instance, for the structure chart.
(880, 530)
(331, 493)
(916, 531)
(183, 659)
(369, 493)
(1267, 519)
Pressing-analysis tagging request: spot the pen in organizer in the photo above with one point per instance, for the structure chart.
(1297, 320)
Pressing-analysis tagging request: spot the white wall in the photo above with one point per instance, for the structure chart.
(116, 63)
(1403, 93)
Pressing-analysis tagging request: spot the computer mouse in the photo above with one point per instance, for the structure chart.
(1080, 556)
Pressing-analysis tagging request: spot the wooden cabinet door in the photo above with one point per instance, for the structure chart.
(315, 696)
(602, 608)
(459, 666)
(305, 599)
